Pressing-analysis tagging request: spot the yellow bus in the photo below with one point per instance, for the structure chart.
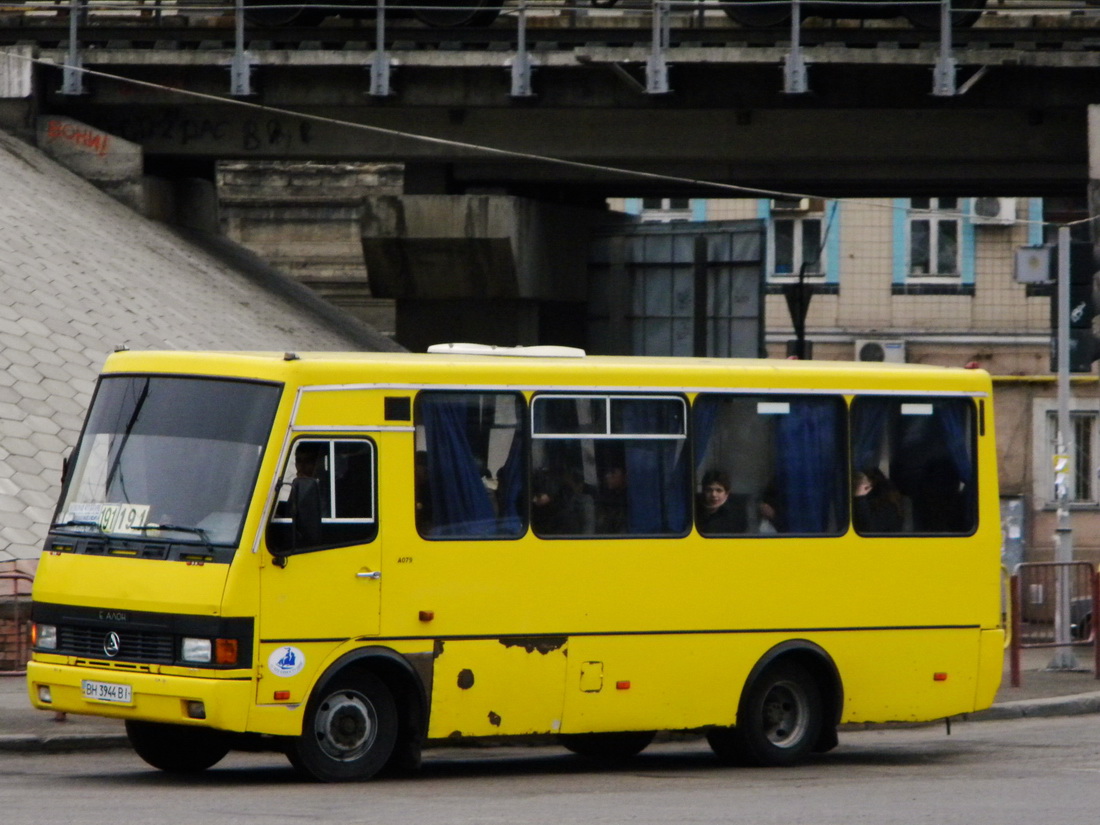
(347, 556)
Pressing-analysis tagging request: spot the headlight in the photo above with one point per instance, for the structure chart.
(44, 636)
(196, 650)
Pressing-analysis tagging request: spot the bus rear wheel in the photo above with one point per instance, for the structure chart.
(349, 731)
(608, 747)
(176, 748)
(779, 721)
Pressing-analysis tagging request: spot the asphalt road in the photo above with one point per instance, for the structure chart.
(1029, 771)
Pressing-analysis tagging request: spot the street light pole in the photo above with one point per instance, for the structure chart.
(1064, 658)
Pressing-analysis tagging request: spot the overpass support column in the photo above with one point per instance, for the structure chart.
(1094, 170)
(17, 98)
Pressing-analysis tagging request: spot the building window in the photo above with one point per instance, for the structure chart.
(666, 210)
(934, 235)
(802, 236)
(796, 243)
(1082, 489)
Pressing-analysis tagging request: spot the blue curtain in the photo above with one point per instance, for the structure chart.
(869, 417)
(953, 418)
(460, 502)
(658, 489)
(809, 467)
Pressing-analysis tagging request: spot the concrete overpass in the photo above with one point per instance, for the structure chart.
(868, 125)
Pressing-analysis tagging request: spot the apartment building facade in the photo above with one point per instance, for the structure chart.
(934, 280)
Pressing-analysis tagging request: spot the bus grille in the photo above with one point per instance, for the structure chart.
(134, 645)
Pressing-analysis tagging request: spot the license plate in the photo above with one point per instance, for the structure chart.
(107, 692)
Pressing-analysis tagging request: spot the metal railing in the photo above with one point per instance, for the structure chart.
(659, 16)
(1053, 605)
(15, 618)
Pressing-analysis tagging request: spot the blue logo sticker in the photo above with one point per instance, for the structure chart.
(286, 661)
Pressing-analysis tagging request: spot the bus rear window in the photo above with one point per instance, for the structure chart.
(913, 465)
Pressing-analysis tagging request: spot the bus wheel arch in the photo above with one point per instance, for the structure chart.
(379, 695)
(789, 706)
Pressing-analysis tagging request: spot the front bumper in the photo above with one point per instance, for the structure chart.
(155, 697)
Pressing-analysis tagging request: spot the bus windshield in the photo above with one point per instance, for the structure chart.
(167, 457)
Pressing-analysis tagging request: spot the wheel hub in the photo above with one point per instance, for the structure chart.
(785, 714)
(346, 725)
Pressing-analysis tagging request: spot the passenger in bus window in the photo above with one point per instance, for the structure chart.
(767, 511)
(876, 503)
(611, 503)
(716, 513)
(561, 506)
(940, 499)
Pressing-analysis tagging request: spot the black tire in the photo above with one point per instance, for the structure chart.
(964, 14)
(271, 14)
(608, 747)
(177, 748)
(758, 15)
(349, 730)
(464, 13)
(779, 721)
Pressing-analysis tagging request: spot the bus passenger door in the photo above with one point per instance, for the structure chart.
(321, 578)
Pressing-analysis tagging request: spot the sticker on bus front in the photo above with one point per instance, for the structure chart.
(286, 661)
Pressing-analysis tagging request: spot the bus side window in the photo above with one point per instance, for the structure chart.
(470, 465)
(916, 454)
(326, 496)
(610, 465)
(779, 460)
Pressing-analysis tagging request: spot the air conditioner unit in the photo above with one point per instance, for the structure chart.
(994, 211)
(798, 205)
(887, 350)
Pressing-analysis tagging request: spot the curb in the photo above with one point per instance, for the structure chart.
(1075, 705)
(62, 743)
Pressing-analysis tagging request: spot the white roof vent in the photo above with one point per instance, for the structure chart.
(521, 352)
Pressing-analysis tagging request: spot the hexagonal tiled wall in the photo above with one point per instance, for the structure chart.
(80, 274)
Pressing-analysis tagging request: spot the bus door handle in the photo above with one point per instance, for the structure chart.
(364, 574)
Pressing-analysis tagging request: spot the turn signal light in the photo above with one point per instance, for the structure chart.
(939, 677)
(225, 651)
(622, 686)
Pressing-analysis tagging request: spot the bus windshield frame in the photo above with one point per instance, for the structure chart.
(167, 458)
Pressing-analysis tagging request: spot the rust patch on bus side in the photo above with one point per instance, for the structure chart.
(437, 648)
(494, 719)
(465, 679)
(543, 644)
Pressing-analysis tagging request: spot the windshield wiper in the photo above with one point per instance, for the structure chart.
(198, 531)
(77, 523)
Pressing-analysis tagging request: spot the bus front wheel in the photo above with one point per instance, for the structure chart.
(608, 747)
(176, 748)
(779, 721)
(349, 730)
